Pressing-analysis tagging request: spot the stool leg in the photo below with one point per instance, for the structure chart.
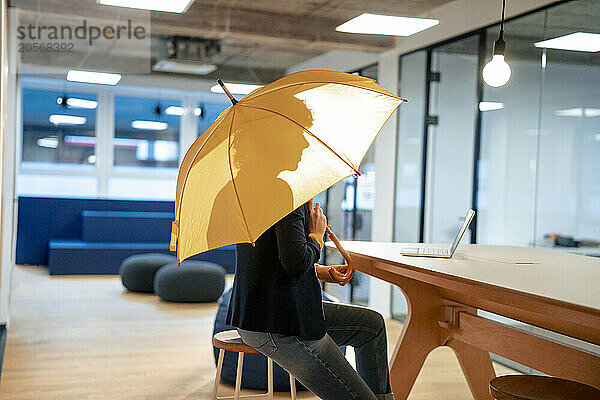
(269, 378)
(293, 387)
(238, 378)
(218, 374)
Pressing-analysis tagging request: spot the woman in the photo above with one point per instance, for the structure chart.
(276, 306)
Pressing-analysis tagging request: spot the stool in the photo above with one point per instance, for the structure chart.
(534, 387)
(231, 341)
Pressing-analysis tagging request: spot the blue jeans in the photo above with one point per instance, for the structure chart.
(320, 365)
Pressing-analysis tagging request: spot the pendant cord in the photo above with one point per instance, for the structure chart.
(502, 21)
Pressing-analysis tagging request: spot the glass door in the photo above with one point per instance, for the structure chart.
(451, 125)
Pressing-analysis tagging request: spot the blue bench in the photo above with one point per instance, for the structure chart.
(126, 226)
(93, 236)
(77, 257)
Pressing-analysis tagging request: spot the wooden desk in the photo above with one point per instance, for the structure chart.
(552, 290)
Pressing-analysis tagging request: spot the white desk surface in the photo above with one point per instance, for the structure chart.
(556, 275)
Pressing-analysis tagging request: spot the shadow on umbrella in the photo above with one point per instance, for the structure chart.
(284, 142)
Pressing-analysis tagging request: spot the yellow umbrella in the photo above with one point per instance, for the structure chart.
(272, 151)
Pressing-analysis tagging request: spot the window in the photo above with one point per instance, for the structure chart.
(58, 127)
(146, 132)
(207, 113)
(82, 140)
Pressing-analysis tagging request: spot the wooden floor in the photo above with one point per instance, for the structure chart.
(87, 338)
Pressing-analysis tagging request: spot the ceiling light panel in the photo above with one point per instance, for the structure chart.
(78, 103)
(182, 67)
(235, 88)
(578, 112)
(149, 125)
(578, 41)
(375, 24)
(174, 6)
(178, 110)
(62, 119)
(490, 106)
(102, 78)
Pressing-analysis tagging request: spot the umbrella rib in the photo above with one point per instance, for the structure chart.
(306, 130)
(237, 196)
(178, 203)
(178, 211)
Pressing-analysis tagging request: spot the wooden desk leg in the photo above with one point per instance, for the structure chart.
(420, 335)
(477, 367)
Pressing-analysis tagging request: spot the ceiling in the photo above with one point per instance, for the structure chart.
(260, 39)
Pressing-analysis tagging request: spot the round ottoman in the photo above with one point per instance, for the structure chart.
(192, 282)
(137, 272)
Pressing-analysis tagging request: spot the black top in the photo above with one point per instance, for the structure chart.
(276, 288)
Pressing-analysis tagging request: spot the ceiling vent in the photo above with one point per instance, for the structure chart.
(187, 55)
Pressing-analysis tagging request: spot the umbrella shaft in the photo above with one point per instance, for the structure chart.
(233, 100)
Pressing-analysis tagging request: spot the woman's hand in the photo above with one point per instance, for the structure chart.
(339, 274)
(318, 221)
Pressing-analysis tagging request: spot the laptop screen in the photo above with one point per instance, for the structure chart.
(462, 230)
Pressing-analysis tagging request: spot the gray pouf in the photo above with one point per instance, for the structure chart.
(137, 272)
(192, 282)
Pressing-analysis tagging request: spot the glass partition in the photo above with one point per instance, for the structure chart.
(540, 147)
(409, 151)
(533, 145)
(568, 166)
(409, 159)
(509, 129)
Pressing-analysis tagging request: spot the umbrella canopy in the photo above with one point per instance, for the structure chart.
(272, 151)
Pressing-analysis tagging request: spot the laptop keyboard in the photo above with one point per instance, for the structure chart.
(433, 251)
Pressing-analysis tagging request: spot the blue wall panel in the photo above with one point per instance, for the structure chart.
(43, 218)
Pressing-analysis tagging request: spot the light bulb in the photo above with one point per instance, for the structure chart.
(497, 72)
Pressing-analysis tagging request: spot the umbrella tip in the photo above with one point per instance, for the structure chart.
(233, 100)
(253, 244)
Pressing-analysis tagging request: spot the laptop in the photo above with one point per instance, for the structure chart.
(435, 251)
